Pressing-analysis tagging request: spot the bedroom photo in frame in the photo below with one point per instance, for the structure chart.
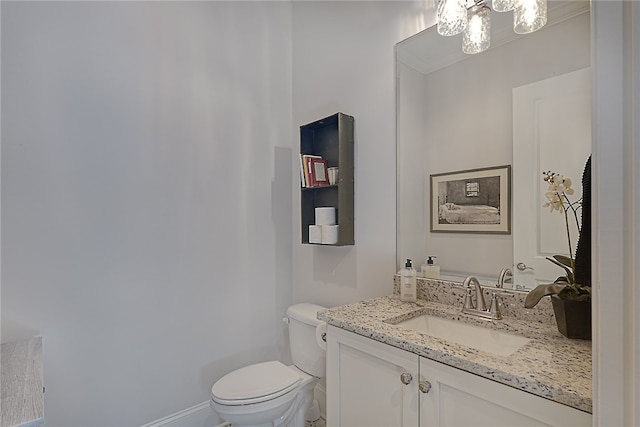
(471, 201)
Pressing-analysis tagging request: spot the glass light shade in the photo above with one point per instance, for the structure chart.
(451, 17)
(477, 36)
(529, 15)
(502, 5)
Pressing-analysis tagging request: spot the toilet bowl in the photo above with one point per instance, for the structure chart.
(264, 394)
(271, 394)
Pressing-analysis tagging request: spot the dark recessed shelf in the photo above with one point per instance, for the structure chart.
(332, 139)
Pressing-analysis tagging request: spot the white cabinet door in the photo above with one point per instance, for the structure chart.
(458, 398)
(365, 383)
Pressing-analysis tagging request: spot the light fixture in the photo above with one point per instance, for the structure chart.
(529, 15)
(473, 17)
(451, 17)
(477, 37)
(502, 5)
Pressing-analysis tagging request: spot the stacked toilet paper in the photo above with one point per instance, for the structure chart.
(325, 230)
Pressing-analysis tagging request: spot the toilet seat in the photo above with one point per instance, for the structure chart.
(254, 384)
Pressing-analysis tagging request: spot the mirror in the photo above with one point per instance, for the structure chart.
(455, 112)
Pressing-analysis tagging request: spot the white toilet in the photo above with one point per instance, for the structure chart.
(271, 394)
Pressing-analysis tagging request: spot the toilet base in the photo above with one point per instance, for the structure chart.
(313, 412)
(303, 402)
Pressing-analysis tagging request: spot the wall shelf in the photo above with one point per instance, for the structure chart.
(332, 138)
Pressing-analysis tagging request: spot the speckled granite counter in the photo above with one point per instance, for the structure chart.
(550, 365)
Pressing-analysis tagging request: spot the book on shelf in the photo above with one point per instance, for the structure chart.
(305, 169)
(303, 179)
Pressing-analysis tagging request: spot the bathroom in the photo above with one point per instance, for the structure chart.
(150, 203)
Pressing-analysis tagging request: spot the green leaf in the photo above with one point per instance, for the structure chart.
(535, 295)
(564, 260)
(576, 293)
(559, 263)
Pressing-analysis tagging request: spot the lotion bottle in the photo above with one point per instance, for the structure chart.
(429, 269)
(408, 287)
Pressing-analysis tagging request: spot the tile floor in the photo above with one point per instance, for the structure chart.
(320, 422)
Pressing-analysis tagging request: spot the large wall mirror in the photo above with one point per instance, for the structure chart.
(525, 103)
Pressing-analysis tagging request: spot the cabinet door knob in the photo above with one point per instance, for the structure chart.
(424, 386)
(406, 378)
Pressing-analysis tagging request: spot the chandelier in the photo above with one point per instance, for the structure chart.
(474, 20)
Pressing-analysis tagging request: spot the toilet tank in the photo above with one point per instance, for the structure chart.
(305, 351)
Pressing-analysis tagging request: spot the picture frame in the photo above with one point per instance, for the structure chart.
(318, 175)
(471, 201)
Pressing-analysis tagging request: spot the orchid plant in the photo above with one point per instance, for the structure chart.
(557, 196)
(558, 199)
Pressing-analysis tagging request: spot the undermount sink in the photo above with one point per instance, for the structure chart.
(484, 339)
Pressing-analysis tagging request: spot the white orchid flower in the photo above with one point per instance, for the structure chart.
(557, 199)
(554, 201)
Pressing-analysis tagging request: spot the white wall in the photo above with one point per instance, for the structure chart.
(343, 61)
(467, 124)
(146, 198)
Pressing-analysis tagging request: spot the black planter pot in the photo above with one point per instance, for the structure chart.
(572, 317)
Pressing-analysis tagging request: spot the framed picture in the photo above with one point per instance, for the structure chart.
(471, 201)
(318, 175)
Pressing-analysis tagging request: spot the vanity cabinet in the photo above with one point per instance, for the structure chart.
(374, 384)
(332, 139)
(366, 382)
(458, 398)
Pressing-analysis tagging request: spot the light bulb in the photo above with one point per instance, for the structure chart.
(529, 15)
(451, 17)
(477, 36)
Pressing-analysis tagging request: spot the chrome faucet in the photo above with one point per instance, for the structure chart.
(506, 275)
(480, 304)
(479, 308)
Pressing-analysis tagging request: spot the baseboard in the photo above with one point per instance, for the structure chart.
(196, 416)
(201, 415)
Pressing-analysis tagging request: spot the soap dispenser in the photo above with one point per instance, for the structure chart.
(429, 269)
(408, 287)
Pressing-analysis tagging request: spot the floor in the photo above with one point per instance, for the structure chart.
(320, 422)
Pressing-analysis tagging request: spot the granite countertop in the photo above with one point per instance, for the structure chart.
(550, 365)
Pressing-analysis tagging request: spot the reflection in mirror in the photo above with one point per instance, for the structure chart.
(551, 132)
(456, 112)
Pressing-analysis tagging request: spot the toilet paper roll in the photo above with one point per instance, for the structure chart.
(321, 335)
(329, 234)
(325, 216)
(315, 234)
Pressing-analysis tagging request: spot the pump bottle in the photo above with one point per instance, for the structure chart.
(429, 269)
(408, 287)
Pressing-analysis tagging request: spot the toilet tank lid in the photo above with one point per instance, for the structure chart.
(305, 313)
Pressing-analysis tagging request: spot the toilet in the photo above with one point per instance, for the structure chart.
(271, 394)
